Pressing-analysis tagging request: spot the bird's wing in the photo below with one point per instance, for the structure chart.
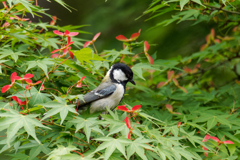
(96, 94)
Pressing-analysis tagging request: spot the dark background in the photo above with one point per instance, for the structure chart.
(116, 17)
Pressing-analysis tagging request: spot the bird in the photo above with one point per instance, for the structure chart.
(110, 91)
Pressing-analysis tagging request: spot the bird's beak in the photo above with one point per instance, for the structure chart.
(132, 81)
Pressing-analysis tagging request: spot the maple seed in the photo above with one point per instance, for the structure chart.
(65, 49)
(66, 33)
(221, 142)
(92, 41)
(13, 78)
(179, 124)
(133, 37)
(125, 109)
(79, 83)
(19, 100)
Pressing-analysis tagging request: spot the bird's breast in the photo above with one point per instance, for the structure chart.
(111, 101)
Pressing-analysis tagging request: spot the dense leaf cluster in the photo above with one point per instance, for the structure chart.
(189, 105)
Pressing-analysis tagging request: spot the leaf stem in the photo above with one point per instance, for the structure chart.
(78, 152)
(80, 139)
(55, 90)
(130, 48)
(123, 56)
(95, 48)
(70, 88)
(18, 92)
(53, 71)
(233, 12)
(25, 93)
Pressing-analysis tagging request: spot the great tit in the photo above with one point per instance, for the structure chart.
(110, 92)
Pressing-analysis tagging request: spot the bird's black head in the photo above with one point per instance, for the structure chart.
(121, 73)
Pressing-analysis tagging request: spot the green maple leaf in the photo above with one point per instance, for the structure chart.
(77, 157)
(36, 96)
(8, 52)
(28, 6)
(183, 3)
(5, 105)
(115, 125)
(2, 61)
(6, 146)
(19, 156)
(138, 69)
(58, 107)
(138, 146)
(198, 2)
(60, 151)
(195, 139)
(175, 152)
(212, 120)
(37, 149)
(16, 121)
(110, 144)
(87, 55)
(188, 14)
(87, 125)
(180, 152)
(113, 54)
(75, 66)
(51, 42)
(43, 64)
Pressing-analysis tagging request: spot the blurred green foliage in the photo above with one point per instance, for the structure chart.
(189, 102)
(113, 18)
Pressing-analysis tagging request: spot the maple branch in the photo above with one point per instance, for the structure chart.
(220, 9)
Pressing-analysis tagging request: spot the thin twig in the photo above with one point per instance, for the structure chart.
(70, 88)
(26, 99)
(95, 48)
(78, 153)
(233, 12)
(80, 139)
(55, 90)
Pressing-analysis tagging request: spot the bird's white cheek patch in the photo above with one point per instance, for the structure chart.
(119, 75)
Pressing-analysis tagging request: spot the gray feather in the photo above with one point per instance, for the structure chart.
(96, 94)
